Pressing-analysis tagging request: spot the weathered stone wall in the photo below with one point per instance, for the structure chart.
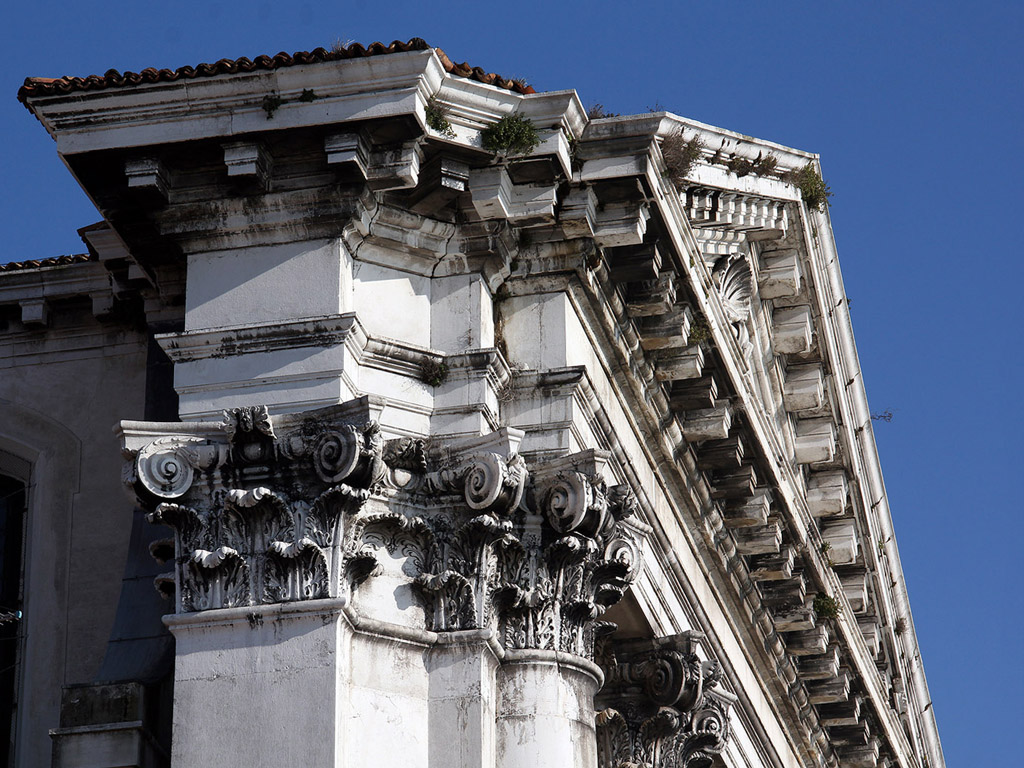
(62, 388)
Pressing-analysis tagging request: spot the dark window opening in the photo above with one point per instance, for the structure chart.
(12, 525)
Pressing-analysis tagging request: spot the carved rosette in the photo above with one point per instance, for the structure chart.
(260, 505)
(661, 705)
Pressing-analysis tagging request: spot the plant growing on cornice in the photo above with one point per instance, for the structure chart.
(512, 135)
(437, 118)
(434, 372)
(597, 111)
(700, 331)
(826, 607)
(680, 155)
(763, 165)
(825, 549)
(812, 187)
(271, 102)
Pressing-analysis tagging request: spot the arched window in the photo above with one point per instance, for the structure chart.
(12, 539)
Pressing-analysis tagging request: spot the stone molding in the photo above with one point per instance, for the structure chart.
(661, 705)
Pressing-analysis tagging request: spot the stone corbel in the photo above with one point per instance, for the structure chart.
(147, 174)
(792, 330)
(495, 196)
(248, 161)
(348, 150)
(661, 704)
(779, 276)
(35, 312)
(578, 214)
(650, 298)
(621, 224)
(395, 167)
(442, 180)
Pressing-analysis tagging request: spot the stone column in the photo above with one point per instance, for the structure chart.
(262, 685)
(262, 511)
(462, 671)
(576, 559)
(546, 710)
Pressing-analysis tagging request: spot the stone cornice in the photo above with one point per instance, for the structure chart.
(398, 85)
(226, 341)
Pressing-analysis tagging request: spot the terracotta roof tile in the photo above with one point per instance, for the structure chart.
(46, 86)
(55, 261)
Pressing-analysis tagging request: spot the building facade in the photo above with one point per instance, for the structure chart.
(459, 428)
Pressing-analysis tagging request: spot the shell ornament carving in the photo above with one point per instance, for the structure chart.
(734, 280)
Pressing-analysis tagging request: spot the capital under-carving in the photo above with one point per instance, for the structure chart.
(661, 705)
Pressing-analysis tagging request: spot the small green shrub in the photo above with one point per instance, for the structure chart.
(434, 372)
(437, 118)
(764, 165)
(826, 606)
(700, 331)
(271, 103)
(308, 94)
(826, 550)
(680, 155)
(812, 187)
(512, 135)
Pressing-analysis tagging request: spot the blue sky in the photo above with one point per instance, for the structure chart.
(917, 111)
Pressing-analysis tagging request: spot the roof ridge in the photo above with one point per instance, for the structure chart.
(53, 261)
(49, 86)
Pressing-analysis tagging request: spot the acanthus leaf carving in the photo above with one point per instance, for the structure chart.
(264, 500)
(661, 705)
(255, 546)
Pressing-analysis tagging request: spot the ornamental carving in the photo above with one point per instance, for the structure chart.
(661, 705)
(261, 506)
(734, 281)
(274, 508)
(536, 557)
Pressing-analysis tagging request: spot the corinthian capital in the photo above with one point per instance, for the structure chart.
(259, 504)
(574, 497)
(661, 704)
